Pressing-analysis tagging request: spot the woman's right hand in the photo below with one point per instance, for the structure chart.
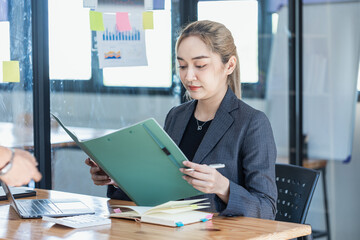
(98, 176)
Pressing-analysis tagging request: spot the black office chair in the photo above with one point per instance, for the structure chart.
(296, 186)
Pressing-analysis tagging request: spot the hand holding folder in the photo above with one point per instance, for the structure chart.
(142, 160)
(98, 175)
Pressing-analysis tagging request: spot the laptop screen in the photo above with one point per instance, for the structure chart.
(9, 196)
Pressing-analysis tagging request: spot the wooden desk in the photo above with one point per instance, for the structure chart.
(13, 227)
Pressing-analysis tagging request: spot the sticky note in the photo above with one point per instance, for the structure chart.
(11, 71)
(117, 210)
(148, 20)
(158, 4)
(209, 216)
(154, 4)
(179, 224)
(4, 10)
(96, 21)
(122, 21)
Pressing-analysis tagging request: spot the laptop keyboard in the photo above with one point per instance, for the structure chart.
(38, 207)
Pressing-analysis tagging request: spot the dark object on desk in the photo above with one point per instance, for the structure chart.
(18, 192)
(296, 186)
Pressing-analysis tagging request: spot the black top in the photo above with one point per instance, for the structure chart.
(192, 137)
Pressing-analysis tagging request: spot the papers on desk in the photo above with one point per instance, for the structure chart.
(172, 213)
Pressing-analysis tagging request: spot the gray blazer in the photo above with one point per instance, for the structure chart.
(241, 138)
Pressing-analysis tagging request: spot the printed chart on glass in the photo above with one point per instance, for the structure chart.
(122, 48)
(122, 43)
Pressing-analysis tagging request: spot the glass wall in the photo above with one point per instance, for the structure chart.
(330, 77)
(16, 75)
(261, 39)
(331, 51)
(241, 18)
(94, 97)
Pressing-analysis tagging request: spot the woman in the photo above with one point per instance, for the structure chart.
(217, 127)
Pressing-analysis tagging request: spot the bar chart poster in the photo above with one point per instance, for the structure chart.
(121, 48)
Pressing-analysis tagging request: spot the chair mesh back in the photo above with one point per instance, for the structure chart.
(296, 186)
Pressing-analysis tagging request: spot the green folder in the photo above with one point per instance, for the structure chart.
(143, 161)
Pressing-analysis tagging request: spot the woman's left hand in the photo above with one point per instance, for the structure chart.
(206, 179)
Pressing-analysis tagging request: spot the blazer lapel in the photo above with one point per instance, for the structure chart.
(218, 127)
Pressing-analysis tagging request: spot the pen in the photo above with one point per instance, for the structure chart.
(216, 165)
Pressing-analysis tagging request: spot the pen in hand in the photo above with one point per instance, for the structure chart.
(217, 165)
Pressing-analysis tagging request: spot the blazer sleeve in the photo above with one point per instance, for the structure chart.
(117, 193)
(257, 198)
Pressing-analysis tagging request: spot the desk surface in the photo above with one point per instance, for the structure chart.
(13, 227)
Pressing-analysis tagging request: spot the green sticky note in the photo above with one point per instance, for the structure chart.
(96, 21)
(148, 20)
(11, 71)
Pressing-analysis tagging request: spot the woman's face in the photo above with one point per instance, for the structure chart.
(201, 71)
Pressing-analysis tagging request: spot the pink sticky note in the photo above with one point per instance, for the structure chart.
(117, 210)
(209, 216)
(122, 21)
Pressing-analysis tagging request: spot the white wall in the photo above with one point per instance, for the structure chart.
(344, 192)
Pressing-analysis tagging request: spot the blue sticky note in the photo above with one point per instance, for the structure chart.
(158, 4)
(179, 224)
(4, 10)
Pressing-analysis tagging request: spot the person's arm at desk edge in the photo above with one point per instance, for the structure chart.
(17, 167)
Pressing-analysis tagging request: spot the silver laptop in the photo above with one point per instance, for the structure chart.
(36, 208)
